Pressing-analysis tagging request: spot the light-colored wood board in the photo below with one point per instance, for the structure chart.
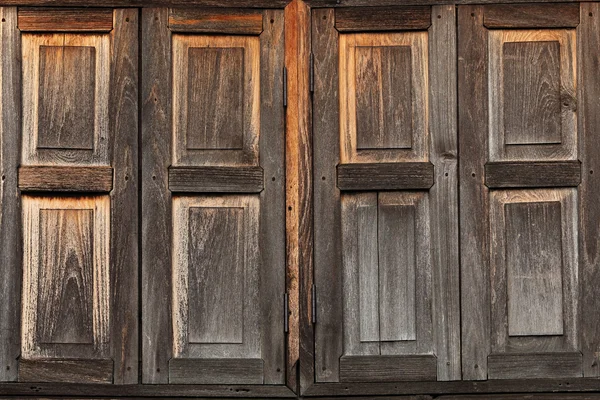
(216, 20)
(61, 154)
(207, 103)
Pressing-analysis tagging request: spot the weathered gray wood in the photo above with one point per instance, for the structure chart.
(444, 194)
(125, 215)
(533, 174)
(589, 192)
(216, 179)
(10, 204)
(534, 268)
(396, 240)
(532, 101)
(327, 227)
(385, 176)
(533, 366)
(66, 97)
(382, 18)
(383, 97)
(156, 232)
(531, 16)
(65, 303)
(216, 270)
(215, 98)
(272, 224)
(66, 179)
(388, 368)
(216, 20)
(65, 371)
(216, 371)
(474, 235)
(48, 19)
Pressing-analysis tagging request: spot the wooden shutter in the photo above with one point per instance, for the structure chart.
(385, 182)
(527, 83)
(69, 95)
(213, 197)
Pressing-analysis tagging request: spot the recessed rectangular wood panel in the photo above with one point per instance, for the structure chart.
(531, 15)
(396, 234)
(534, 366)
(385, 176)
(241, 371)
(66, 97)
(66, 277)
(66, 371)
(368, 272)
(216, 271)
(532, 93)
(216, 179)
(32, 19)
(216, 20)
(66, 90)
(215, 116)
(534, 261)
(532, 174)
(364, 19)
(216, 100)
(383, 97)
(66, 179)
(65, 301)
(388, 368)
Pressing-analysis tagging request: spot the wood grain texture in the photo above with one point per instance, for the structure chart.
(204, 108)
(216, 371)
(385, 3)
(532, 174)
(388, 368)
(588, 34)
(352, 88)
(385, 176)
(444, 194)
(272, 199)
(66, 97)
(532, 105)
(532, 366)
(66, 277)
(548, 102)
(10, 204)
(66, 371)
(328, 270)
(125, 197)
(66, 179)
(383, 98)
(364, 19)
(216, 20)
(152, 3)
(32, 19)
(157, 211)
(55, 131)
(216, 179)
(528, 262)
(531, 16)
(474, 235)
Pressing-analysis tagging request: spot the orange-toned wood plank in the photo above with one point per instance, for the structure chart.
(236, 21)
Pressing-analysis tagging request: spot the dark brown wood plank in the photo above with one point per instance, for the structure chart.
(531, 16)
(386, 3)
(474, 233)
(385, 176)
(124, 213)
(532, 366)
(214, 20)
(272, 199)
(65, 19)
(532, 174)
(216, 179)
(149, 3)
(73, 371)
(388, 368)
(361, 19)
(327, 224)
(247, 371)
(10, 218)
(157, 341)
(589, 207)
(66, 179)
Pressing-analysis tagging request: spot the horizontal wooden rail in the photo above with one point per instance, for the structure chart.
(66, 179)
(65, 19)
(529, 174)
(361, 19)
(65, 370)
(531, 16)
(388, 368)
(216, 179)
(216, 371)
(222, 21)
(531, 366)
(385, 176)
